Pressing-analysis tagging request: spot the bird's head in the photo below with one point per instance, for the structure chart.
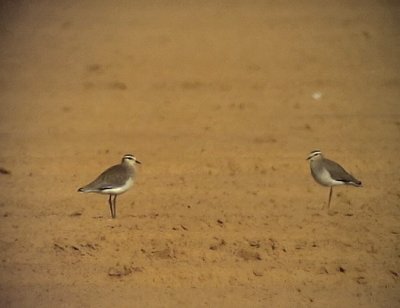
(314, 155)
(130, 159)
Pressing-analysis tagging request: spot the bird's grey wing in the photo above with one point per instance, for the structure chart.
(338, 173)
(114, 176)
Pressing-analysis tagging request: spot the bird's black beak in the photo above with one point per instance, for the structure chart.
(138, 162)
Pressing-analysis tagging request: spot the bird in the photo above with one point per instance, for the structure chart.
(329, 173)
(114, 181)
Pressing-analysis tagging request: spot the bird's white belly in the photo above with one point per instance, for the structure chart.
(118, 190)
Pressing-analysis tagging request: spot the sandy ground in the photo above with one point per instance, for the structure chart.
(222, 102)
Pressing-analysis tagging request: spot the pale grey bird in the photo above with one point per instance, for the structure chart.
(114, 181)
(329, 173)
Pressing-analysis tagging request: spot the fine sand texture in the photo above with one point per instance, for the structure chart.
(221, 101)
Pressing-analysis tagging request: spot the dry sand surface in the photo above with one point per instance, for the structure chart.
(221, 101)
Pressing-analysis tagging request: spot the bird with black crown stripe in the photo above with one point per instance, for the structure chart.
(329, 173)
(114, 181)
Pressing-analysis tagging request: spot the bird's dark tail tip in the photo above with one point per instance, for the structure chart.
(80, 189)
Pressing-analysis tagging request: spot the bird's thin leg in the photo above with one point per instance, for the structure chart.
(115, 206)
(111, 206)
(330, 196)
